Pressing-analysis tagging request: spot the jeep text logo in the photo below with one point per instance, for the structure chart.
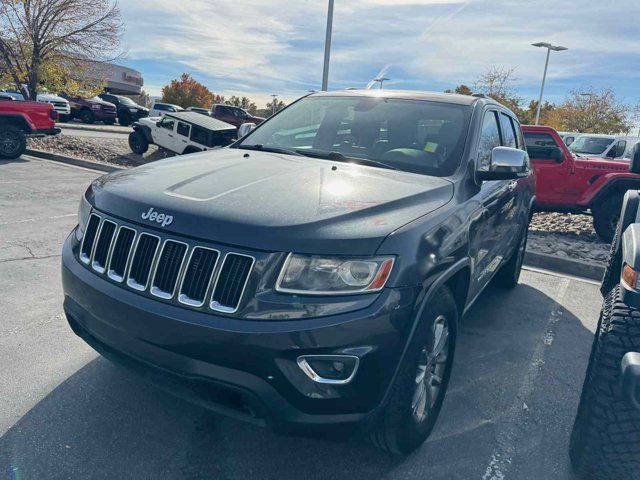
(154, 216)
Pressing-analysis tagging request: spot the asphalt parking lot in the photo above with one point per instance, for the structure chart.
(67, 413)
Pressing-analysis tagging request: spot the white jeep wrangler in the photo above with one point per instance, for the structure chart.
(181, 132)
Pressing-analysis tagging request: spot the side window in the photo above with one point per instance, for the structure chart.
(489, 139)
(508, 133)
(199, 135)
(183, 129)
(618, 150)
(519, 135)
(541, 146)
(160, 106)
(168, 123)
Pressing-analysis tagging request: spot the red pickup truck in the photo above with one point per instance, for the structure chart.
(569, 183)
(21, 119)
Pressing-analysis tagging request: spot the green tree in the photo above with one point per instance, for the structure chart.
(275, 106)
(43, 41)
(461, 89)
(244, 103)
(187, 92)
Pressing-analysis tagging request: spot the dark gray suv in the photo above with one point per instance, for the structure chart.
(312, 274)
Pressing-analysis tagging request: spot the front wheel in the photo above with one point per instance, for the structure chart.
(418, 391)
(605, 442)
(13, 142)
(605, 217)
(87, 116)
(138, 143)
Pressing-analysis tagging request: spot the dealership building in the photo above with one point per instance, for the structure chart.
(123, 80)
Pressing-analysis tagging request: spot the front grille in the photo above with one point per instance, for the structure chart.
(231, 282)
(89, 238)
(164, 267)
(142, 260)
(198, 276)
(101, 254)
(108, 109)
(169, 264)
(120, 255)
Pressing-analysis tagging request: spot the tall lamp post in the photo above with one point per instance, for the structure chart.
(549, 47)
(327, 48)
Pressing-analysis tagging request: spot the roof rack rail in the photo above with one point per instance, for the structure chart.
(480, 95)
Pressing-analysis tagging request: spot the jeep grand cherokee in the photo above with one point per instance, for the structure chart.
(313, 273)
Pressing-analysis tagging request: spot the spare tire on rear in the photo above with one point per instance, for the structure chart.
(13, 142)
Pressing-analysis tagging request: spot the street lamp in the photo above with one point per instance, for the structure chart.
(327, 48)
(273, 103)
(380, 80)
(549, 47)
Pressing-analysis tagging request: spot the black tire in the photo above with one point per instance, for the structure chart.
(613, 270)
(125, 119)
(109, 122)
(509, 273)
(398, 429)
(13, 142)
(138, 143)
(191, 150)
(87, 116)
(605, 217)
(63, 118)
(605, 442)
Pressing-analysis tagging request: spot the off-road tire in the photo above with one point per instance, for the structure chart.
(125, 120)
(509, 273)
(109, 122)
(605, 442)
(87, 116)
(64, 118)
(13, 142)
(605, 217)
(613, 269)
(396, 430)
(138, 143)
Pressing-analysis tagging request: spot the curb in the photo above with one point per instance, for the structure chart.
(568, 266)
(106, 129)
(78, 162)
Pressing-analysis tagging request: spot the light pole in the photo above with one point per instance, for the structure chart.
(273, 103)
(327, 48)
(549, 47)
(380, 80)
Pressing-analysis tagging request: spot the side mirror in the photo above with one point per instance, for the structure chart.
(506, 163)
(634, 166)
(556, 154)
(245, 129)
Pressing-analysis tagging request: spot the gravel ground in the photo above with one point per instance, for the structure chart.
(105, 150)
(567, 235)
(560, 234)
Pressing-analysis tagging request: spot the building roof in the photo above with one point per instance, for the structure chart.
(201, 120)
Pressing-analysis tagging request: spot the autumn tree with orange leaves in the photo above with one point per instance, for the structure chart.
(188, 92)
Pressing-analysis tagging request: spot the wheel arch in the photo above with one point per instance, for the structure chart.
(18, 121)
(614, 186)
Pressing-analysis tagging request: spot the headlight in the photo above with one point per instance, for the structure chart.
(317, 275)
(133, 110)
(84, 209)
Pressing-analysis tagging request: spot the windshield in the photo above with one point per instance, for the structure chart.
(411, 135)
(591, 145)
(126, 101)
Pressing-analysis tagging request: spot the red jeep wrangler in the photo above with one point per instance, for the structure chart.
(576, 184)
(21, 119)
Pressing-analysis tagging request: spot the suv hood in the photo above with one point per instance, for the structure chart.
(602, 164)
(47, 97)
(271, 201)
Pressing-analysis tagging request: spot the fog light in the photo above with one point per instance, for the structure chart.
(331, 369)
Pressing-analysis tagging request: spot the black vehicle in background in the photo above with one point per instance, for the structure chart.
(312, 274)
(128, 111)
(605, 443)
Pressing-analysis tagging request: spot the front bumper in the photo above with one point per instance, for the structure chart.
(243, 368)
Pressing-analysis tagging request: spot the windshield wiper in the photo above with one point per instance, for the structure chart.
(261, 148)
(339, 157)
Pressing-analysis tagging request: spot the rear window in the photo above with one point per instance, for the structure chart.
(199, 135)
(540, 145)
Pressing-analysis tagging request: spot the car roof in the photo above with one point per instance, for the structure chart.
(203, 121)
(408, 95)
(167, 104)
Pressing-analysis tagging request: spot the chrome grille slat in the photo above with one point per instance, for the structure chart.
(168, 268)
(89, 237)
(198, 276)
(231, 281)
(121, 253)
(103, 246)
(142, 261)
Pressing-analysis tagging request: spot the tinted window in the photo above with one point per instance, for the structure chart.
(167, 122)
(508, 133)
(183, 129)
(541, 146)
(160, 106)
(489, 139)
(109, 98)
(519, 135)
(413, 135)
(618, 150)
(199, 135)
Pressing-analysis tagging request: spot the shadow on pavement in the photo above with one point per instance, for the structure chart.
(106, 423)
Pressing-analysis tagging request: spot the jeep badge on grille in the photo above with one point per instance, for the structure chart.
(160, 218)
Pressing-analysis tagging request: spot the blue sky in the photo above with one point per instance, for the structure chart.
(259, 47)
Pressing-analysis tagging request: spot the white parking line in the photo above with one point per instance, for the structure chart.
(511, 425)
(37, 219)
